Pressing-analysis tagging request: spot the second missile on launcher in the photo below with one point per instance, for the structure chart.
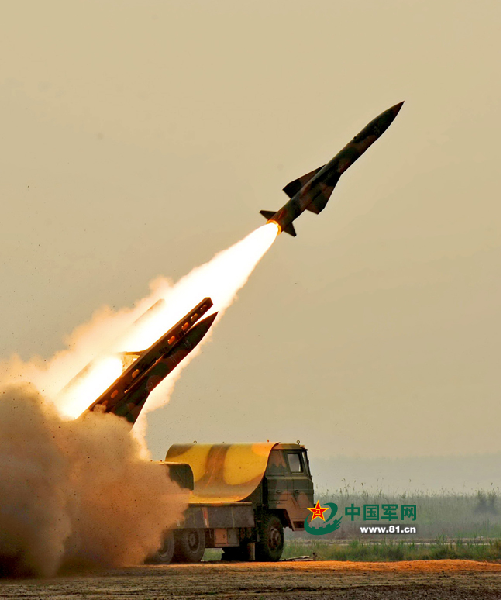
(129, 392)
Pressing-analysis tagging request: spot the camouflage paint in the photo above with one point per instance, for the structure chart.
(222, 472)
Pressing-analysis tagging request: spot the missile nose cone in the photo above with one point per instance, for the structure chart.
(203, 326)
(210, 319)
(396, 108)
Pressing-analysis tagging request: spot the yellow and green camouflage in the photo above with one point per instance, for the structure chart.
(222, 472)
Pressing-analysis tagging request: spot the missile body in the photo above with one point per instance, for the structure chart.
(129, 392)
(313, 190)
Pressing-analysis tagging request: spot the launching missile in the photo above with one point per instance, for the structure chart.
(129, 392)
(313, 190)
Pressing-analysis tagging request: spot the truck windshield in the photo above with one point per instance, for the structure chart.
(294, 462)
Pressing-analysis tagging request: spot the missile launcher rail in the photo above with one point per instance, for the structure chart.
(128, 393)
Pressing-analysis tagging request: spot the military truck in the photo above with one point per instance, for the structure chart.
(242, 497)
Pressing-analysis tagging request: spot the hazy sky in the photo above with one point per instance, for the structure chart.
(140, 138)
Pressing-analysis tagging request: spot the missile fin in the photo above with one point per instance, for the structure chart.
(313, 208)
(290, 229)
(296, 185)
(321, 198)
(128, 358)
(318, 204)
(268, 214)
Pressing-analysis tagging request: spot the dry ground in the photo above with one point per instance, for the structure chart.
(443, 579)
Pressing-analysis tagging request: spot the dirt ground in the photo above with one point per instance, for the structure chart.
(458, 579)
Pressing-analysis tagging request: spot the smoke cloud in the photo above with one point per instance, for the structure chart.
(76, 493)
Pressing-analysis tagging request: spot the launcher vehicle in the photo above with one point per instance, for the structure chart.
(242, 497)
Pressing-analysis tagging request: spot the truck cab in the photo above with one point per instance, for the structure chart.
(287, 486)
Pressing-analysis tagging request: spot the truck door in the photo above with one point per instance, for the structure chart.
(300, 486)
(289, 485)
(277, 480)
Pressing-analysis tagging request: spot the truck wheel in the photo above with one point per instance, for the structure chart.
(189, 545)
(164, 555)
(271, 538)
